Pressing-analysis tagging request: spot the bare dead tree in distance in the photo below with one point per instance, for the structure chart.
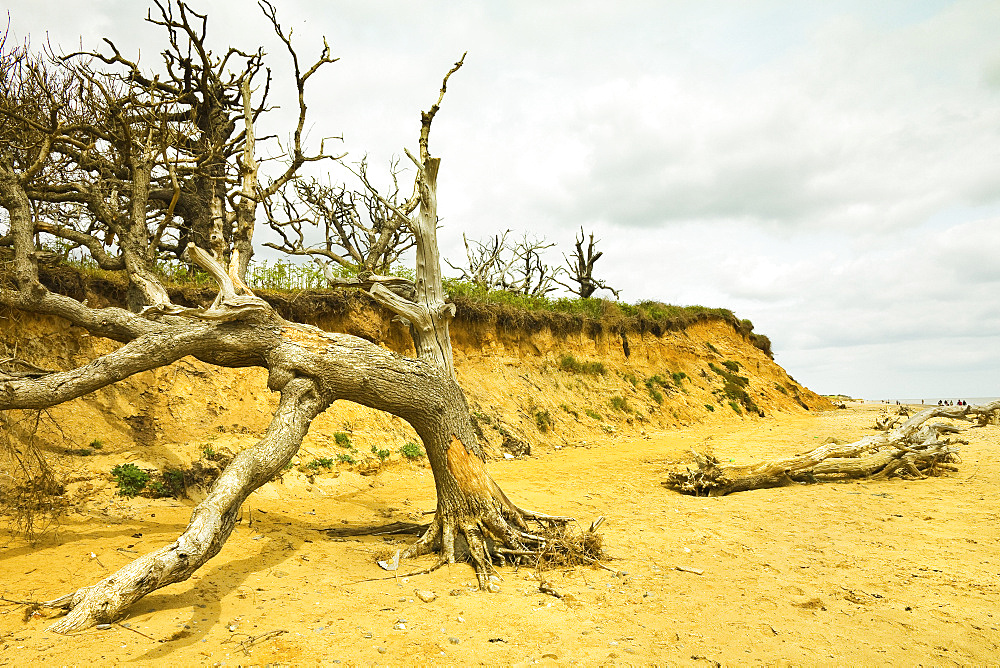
(137, 164)
(500, 263)
(580, 269)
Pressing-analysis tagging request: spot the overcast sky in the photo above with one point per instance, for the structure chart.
(828, 170)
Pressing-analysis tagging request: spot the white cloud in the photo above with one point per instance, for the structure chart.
(827, 170)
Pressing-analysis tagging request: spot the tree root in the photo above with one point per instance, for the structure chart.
(498, 538)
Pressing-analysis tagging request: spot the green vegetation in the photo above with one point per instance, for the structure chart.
(170, 485)
(411, 450)
(381, 454)
(678, 377)
(593, 414)
(710, 408)
(346, 458)
(570, 411)
(208, 452)
(735, 407)
(712, 348)
(342, 439)
(569, 363)
(130, 479)
(734, 389)
(620, 404)
(174, 481)
(657, 380)
(320, 463)
(97, 444)
(732, 365)
(507, 310)
(79, 452)
(543, 420)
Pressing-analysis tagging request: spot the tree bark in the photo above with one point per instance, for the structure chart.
(211, 522)
(311, 368)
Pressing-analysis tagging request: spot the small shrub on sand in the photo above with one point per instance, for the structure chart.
(131, 479)
(411, 450)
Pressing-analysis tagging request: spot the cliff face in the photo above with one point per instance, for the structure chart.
(536, 389)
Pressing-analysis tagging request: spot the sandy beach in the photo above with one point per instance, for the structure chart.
(891, 572)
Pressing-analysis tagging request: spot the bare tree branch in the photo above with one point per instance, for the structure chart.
(580, 269)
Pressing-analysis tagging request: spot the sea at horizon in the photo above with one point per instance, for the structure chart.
(930, 401)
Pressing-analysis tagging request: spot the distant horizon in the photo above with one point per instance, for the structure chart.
(975, 401)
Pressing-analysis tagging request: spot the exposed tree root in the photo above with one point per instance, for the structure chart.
(475, 521)
(501, 535)
(912, 449)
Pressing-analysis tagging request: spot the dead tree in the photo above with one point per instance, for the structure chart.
(580, 270)
(362, 235)
(513, 266)
(913, 448)
(310, 368)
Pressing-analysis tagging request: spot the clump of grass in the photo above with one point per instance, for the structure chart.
(732, 365)
(710, 408)
(285, 276)
(174, 482)
(131, 479)
(734, 389)
(319, 463)
(631, 377)
(570, 411)
(341, 439)
(763, 343)
(651, 384)
(346, 458)
(96, 444)
(715, 350)
(678, 377)
(620, 404)
(780, 388)
(593, 414)
(170, 485)
(79, 452)
(569, 363)
(735, 407)
(543, 420)
(381, 454)
(411, 450)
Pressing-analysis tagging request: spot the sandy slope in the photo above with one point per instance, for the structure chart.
(899, 572)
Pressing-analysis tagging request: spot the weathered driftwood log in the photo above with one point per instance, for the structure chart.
(913, 448)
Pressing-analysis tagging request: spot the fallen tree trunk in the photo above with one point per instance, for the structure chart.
(913, 448)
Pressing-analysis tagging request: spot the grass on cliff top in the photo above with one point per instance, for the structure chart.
(591, 307)
(506, 310)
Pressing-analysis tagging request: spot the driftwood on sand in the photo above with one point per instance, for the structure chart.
(915, 448)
